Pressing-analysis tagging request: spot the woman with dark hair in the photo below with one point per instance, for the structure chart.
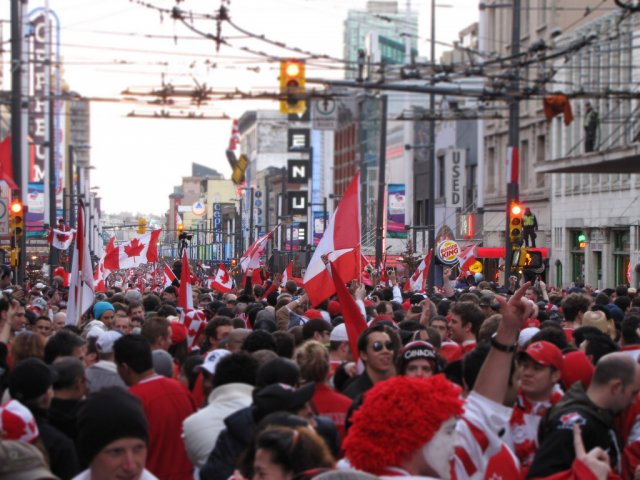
(284, 453)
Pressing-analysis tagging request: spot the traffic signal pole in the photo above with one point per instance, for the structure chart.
(513, 193)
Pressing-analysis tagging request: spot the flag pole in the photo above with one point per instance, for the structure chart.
(80, 237)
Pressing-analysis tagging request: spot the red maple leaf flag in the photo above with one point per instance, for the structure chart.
(195, 321)
(222, 282)
(169, 276)
(340, 244)
(251, 258)
(353, 319)
(185, 297)
(61, 239)
(419, 277)
(140, 250)
(134, 248)
(466, 259)
(81, 290)
(288, 275)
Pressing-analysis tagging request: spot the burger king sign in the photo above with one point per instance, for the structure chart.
(447, 252)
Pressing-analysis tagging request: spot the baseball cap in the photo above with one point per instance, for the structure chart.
(21, 461)
(105, 341)
(40, 303)
(212, 358)
(544, 353)
(30, 379)
(313, 313)
(178, 332)
(339, 333)
(281, 397)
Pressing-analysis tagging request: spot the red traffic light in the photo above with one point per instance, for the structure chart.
(293, 69)
(16, 207)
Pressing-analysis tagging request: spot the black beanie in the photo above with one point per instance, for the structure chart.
(108, 415)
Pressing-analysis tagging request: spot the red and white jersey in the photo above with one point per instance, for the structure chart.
(479, 441)
(522, 434)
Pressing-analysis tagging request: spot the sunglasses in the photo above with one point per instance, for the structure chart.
(378, 346)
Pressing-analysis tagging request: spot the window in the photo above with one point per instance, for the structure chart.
(541, 147)
(441, 177)
(491, 169)
(524, 164)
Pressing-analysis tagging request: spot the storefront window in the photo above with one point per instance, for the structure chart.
(621, 257)
(578, 246)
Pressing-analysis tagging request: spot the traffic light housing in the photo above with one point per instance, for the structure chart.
(16, 219)
(142, 226)
(582, 240)
(292, 86)
(234, 262)
(515, 222)
(180, 228)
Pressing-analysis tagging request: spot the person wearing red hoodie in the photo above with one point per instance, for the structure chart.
(166, 405)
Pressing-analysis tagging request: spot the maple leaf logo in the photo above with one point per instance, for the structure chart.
(62, 237)
(225, 277)
(134, 248)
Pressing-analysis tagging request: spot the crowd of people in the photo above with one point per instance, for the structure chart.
(467, 382)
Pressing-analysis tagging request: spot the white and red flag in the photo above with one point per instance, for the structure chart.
(81, 289)
(61, 239)
(467, 258)
(251, 258)
(169, 276)
(222, 282)
(419, 277)
(195, 321)
(353, 319)
(185, 297)
(140, 250)
(288, 275)
(512, 169)
(340, 245)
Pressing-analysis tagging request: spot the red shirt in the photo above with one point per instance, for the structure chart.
(166, 404)
(333, 405)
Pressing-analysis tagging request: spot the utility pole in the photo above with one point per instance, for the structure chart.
(514, 136)
(431, 211)
(53, 252)
(382, 168)
(16, 124)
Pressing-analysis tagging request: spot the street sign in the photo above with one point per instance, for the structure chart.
(199, 208)
(324, 115)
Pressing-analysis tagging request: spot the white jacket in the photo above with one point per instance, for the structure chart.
(200, 430)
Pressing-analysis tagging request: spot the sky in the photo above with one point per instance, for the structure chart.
(111, 46)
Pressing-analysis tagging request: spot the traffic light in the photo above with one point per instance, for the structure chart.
(582, 240)
(515, 222)
(234, 262)
(180, 228)
(292, 81)
(16, 219)
(142, 226)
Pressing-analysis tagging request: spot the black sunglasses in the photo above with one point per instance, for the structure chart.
(378, 346)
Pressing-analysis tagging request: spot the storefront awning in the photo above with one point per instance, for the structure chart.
(498, 252)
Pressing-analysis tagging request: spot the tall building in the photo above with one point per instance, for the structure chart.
(540, 20)
(381, 27)
(594, 194)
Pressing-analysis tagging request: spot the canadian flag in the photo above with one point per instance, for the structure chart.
(288, 275)
(419, 277)
(353, 319)
(169, 276)
(251, 258)
(467, 258)
(60, 239)
(340, 245)
(195, 321)
(141, 249)
(185, 298)
(81, 290)
(222, 282)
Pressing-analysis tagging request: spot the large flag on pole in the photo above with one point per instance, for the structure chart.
(340, 245)
(185, 298)
(140, 250)
(81, 289)
(466, 259)
(169, 276)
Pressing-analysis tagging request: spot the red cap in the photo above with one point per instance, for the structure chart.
(406, 305)
(313, 313)
(178, 332)
(576, 367)
(334, 308)
(545, 353)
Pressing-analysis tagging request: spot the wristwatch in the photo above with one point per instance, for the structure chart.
(500, 346)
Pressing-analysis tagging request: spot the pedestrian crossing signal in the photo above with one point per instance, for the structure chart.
(582, 240)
